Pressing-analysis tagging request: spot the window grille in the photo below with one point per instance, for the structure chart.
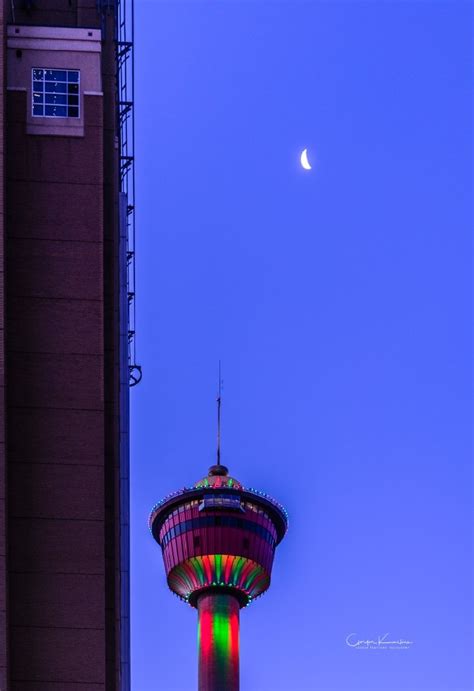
(55, 93)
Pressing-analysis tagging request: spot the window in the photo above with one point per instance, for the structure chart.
(221, 501)
(211, 522)
(55, 93)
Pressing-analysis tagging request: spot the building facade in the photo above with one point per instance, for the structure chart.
(66, 279)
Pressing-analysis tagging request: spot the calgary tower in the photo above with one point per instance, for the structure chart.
(218, 540)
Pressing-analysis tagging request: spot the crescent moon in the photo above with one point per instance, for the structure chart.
(304, 160)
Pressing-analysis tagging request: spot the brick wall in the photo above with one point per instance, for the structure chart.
(55, 404)
(62, 400)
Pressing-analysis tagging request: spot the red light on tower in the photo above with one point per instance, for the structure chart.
(218, 540)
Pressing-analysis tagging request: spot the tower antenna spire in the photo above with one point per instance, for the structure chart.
(219, 395)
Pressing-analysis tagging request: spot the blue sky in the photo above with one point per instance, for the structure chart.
(339, 303)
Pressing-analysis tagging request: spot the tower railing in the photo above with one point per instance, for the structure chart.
(130, 372)
(131, 375)
(124, 18)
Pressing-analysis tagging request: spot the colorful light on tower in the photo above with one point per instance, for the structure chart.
(218, 540)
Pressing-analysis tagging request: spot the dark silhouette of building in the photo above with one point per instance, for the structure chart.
(66, 343)
(218, 540)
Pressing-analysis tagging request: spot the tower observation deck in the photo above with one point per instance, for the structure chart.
(218, 540)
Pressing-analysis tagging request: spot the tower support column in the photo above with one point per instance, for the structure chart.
(218, 642)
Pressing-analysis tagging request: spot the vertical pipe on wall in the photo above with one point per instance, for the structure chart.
(124, 422)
